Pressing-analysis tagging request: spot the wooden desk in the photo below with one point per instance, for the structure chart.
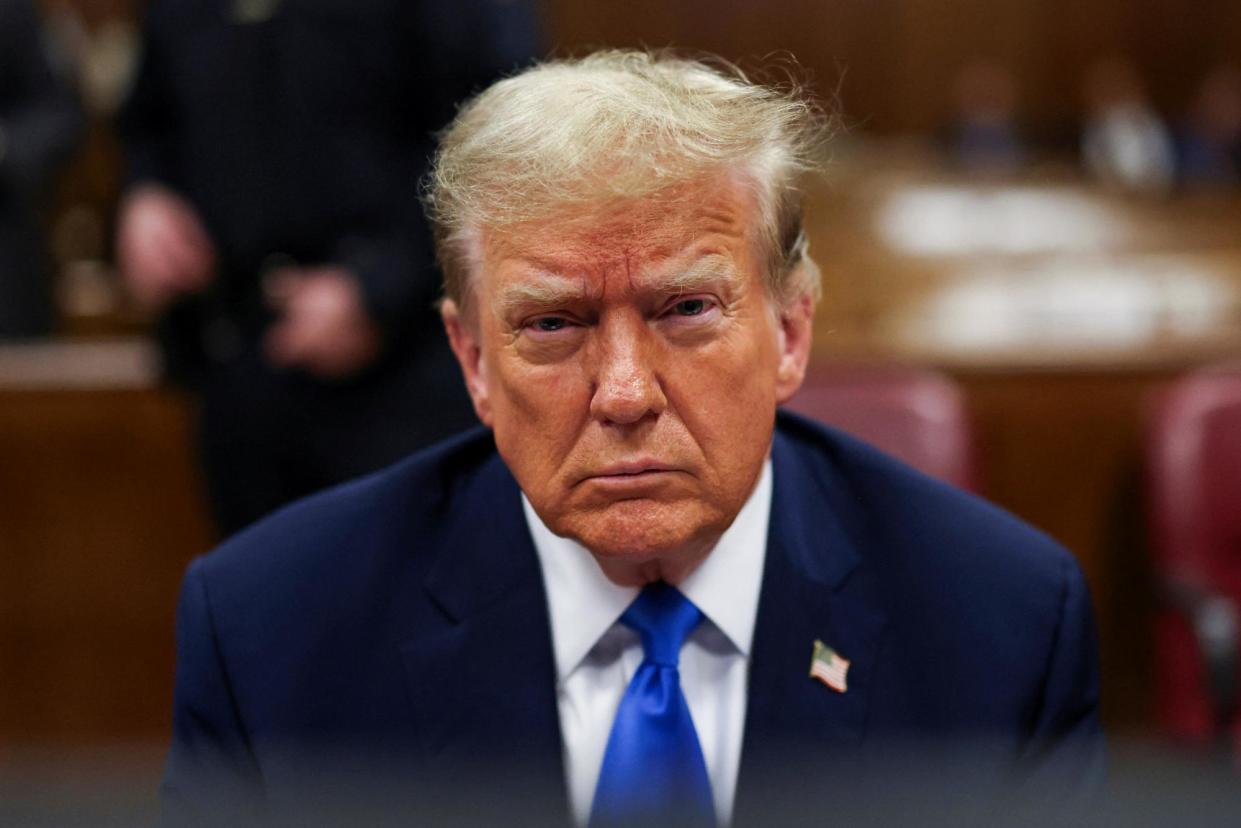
(99, 513)
(1044, 272)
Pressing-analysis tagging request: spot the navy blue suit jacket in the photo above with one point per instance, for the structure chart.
(398, 625)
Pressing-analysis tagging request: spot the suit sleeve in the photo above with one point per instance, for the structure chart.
(394, 269)
(457, 50)
(211, 775)
(1066, 754)
(147, 123)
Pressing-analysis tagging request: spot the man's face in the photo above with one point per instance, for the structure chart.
(630, 366)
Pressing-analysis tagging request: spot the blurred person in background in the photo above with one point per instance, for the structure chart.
(40, 121)
(1209, 149)
(1125, 144)
(271, 217)
(985, 139)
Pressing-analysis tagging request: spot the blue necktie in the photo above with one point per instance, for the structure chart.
(653, 770)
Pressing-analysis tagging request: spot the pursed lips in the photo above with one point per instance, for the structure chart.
(630, 470)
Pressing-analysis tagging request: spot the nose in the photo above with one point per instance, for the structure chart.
(627, 384)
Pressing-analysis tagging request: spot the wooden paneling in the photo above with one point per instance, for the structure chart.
(897, 58)
(99, 513)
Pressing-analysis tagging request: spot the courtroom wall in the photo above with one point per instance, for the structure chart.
(893, 60)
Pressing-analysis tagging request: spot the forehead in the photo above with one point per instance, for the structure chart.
(636, 236)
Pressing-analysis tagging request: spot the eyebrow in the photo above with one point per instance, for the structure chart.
(547, 289)
(704, 272)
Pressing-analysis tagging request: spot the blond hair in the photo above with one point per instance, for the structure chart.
(623, 125)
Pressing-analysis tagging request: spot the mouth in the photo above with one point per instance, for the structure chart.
(632, 468)
(631, 473)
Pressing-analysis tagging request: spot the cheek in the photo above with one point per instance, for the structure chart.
(726, 397)
(537, 415)
(730, 377)
(540, 396)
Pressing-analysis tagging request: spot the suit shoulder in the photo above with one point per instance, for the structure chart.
(357, 524)
(906, 518)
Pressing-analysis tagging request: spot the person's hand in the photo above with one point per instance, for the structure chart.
(323, 327)
(162, 248)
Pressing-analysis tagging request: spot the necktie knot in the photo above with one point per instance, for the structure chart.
(664, 618)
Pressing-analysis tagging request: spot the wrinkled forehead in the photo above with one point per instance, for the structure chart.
(569, 245)
(718, 219)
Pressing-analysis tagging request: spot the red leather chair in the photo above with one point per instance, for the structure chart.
(913, 414)
(1194, 498)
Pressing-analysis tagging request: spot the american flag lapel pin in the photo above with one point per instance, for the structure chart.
(828, 667)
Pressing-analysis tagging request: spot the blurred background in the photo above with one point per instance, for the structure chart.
(1030, 236)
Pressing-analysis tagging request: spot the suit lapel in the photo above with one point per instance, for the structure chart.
(480, 670)
(815, 587)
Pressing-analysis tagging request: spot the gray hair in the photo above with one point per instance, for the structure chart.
(623, 125)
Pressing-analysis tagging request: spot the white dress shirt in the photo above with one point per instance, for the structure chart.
(596, 656)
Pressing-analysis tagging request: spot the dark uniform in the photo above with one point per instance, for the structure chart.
(39, 123)
(299, 130)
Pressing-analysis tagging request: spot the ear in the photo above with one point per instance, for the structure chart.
(464, 339)
(796, 322)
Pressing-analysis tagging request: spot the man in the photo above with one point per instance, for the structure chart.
(271, 220)
(640, 593)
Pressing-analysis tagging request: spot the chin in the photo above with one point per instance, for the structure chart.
(642, 531)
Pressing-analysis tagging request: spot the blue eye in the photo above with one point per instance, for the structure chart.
(549, 324)
(690, 307)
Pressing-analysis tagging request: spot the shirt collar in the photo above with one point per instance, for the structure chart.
(583, 604)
